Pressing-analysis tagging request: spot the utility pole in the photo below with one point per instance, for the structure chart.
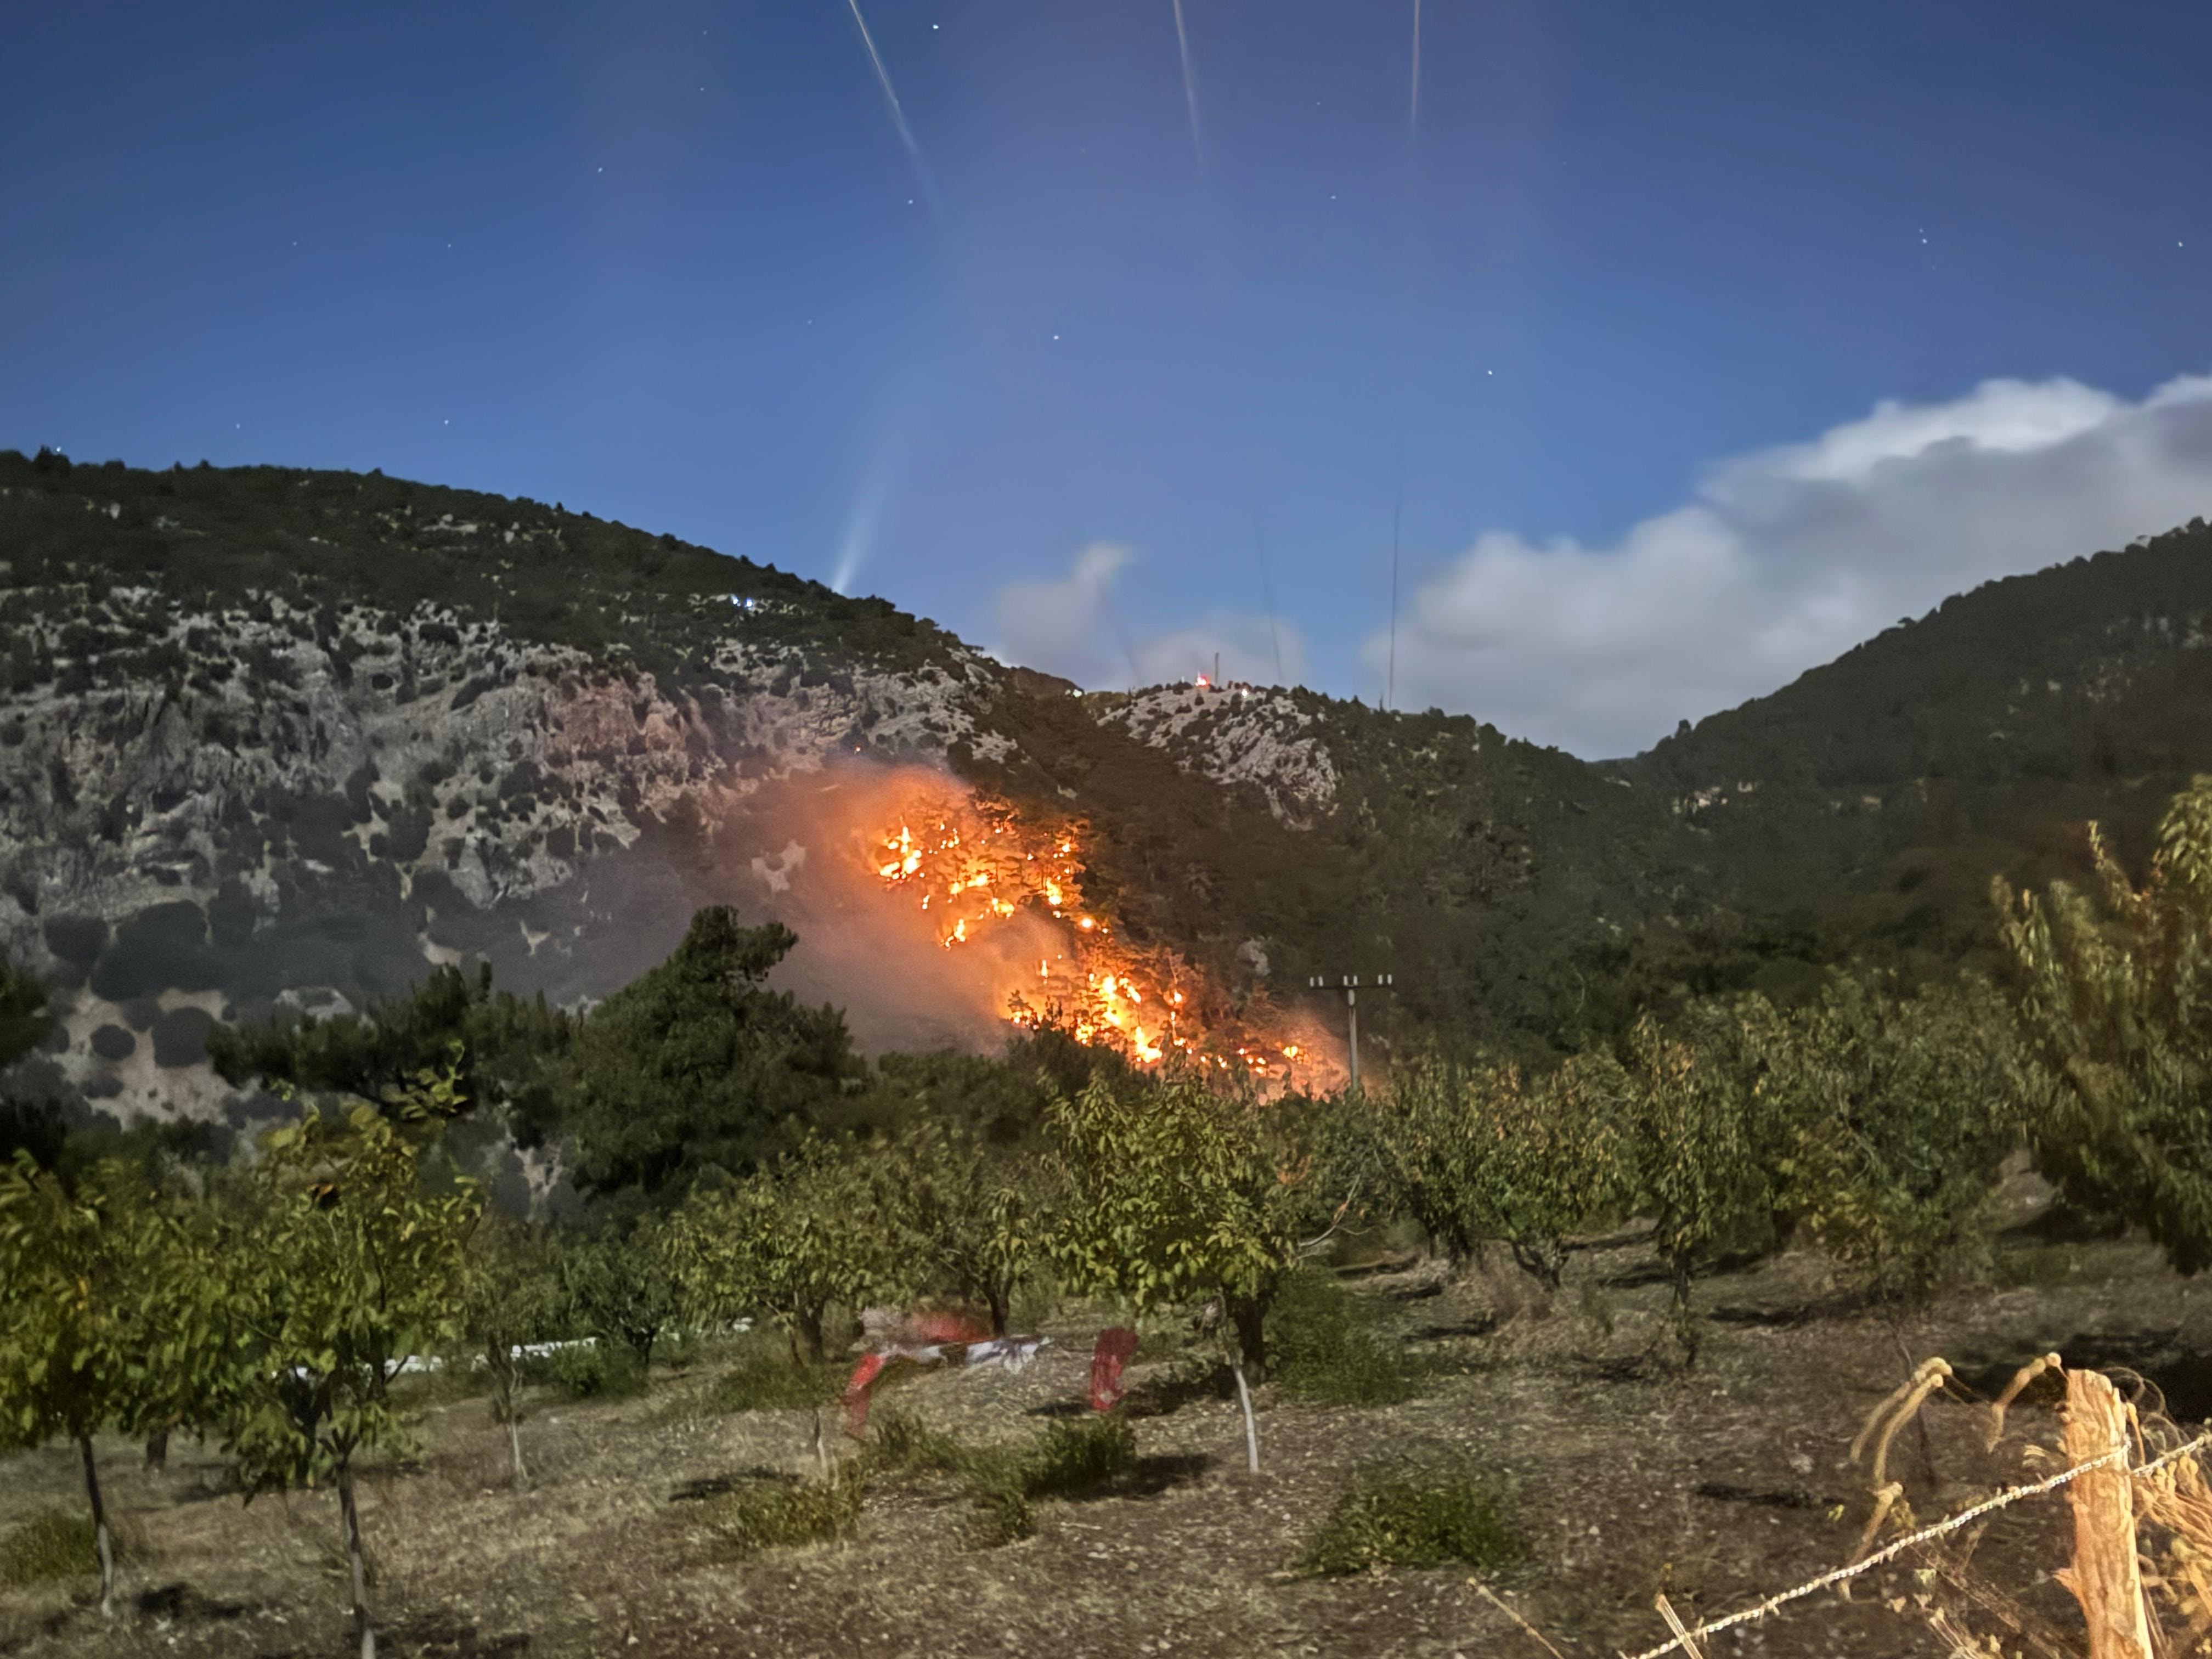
(1350, 985)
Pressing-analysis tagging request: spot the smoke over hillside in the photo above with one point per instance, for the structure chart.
(802, 850)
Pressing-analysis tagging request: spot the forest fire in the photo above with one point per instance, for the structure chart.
(973, 862)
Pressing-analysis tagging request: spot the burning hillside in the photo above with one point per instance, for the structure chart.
(972, 864)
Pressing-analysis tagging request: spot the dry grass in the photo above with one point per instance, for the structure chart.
(1003, 1483)
(764, 1377)
(1714, 1486)
(58, 1544)
(901, 1443)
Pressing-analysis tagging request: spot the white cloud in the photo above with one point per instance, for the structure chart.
(1787, 557)
(1068, 627)
(1057, 627)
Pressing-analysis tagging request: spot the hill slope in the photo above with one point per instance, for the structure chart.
(273, 738)
(1977, 739)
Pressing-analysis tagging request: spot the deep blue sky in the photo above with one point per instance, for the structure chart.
(660, 262)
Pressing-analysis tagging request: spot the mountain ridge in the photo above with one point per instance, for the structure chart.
(280, 739)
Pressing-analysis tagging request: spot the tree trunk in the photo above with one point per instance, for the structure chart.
(808, 1325)
(1544, 1260)
(1248, 1319)
(2105, 1578)
(100, 1538)
(351, 1518)
(1678, 1282)
(504, 1382)
(1680, 1320)
(1251, 1428)
(998, 1300)
(157, 1452)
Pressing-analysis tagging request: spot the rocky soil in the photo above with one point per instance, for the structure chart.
(1621, 1477)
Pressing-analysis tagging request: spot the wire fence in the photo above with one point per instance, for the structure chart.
(1890, 1552)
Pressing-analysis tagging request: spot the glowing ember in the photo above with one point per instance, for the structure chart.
(983, 864)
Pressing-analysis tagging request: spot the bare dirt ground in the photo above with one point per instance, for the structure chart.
(1624, 1479)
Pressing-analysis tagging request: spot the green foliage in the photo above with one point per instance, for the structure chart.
(513, 1296)
(1003, 1485)
(116, 1311)
(784, 1515)
(1697, 1146)
(767, 1379)
(1895, 1115)
(997, 1100)
(1328, 1346)
(500, 1049)
(1479, 1154)
(627, 1287)
(1000, 1513)
(975, 1216)
(788, 1242)
(696, 1067)
(1071, 1458)
(2114, 996)
(342, 1264)
(345, 1266)
(56, 1544)
(1174, 1192)
(590, 1371)
(1409, 1518)
(114, 1316)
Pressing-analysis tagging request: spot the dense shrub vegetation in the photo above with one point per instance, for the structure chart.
(1332, 1347)
(1407, 1519)
(270, 1302)
(1533, 904)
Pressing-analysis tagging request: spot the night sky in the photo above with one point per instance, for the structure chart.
(1686, 345)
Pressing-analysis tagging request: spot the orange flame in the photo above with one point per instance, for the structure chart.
(983, 864)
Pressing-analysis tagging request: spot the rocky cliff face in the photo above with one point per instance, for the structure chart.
(283, 741)
(1269, 738)
(422, 745)
(221, 798)
(318, 807)
(275, 739)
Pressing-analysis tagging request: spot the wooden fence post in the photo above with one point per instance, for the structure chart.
(2104, 1577)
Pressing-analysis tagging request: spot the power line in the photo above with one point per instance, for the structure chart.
(1397, 512)
(1267, 595)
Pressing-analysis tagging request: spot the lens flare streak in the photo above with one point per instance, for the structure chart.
(1189, 84)
(897, 110)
